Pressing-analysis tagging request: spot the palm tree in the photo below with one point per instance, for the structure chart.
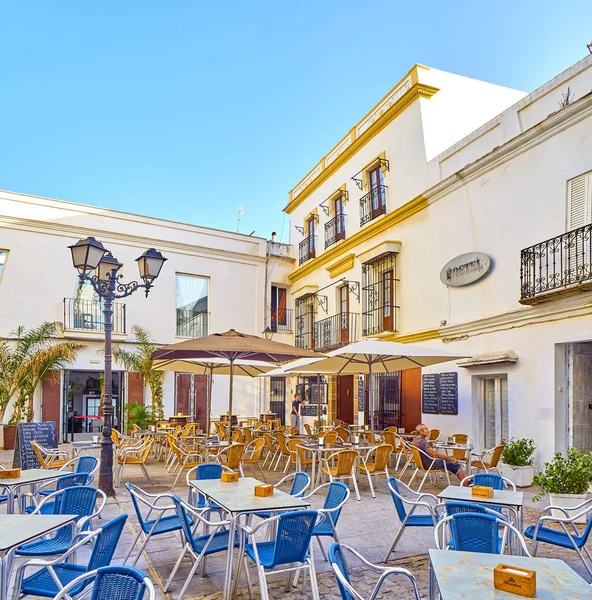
(140, 361)
(26, 362)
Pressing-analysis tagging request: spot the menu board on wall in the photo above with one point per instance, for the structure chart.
(312, 410)
(439, 393)
(361, 394)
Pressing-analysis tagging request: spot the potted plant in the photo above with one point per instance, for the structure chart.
(517, 461)
(137, 414)
(565, 479)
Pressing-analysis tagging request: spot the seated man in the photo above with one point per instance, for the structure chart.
(421, 441)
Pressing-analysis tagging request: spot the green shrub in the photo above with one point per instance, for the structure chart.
(137, 414)
(565, 474)
(518, 453)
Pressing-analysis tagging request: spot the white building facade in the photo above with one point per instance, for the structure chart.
(212, 281)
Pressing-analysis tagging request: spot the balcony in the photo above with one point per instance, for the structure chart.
(280, 319)
(373, 204)
(334, 230)
(307, 249)
(87, 315)
(558, 264)
(335, 331)
(192, 324)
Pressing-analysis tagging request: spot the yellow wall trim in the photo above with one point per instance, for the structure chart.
(341, 266)
(352, 144)
(369, 231)
(411, 338)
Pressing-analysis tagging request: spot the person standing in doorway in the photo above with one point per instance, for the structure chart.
(295, 414)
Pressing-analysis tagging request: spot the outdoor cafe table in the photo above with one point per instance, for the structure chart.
(29, 477)
(16, 530)
(469, 575)
(327, 449)
(78, 447)
(238, 498)
(500, 498)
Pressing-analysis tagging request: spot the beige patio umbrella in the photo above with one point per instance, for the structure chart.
(232, 346)
(370, 356)
(212, 367)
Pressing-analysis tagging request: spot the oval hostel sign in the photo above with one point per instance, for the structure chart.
(465, 269)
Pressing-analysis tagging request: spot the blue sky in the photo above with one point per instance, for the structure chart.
(186, 109)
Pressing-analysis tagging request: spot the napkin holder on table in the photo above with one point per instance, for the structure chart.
(264, 490)
(10, 473)
(228, 477)
(515, 580)
(482, 491)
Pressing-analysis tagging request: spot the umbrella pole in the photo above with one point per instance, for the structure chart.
(319, 401)
(230, 400)
(209, 410)
(371, 398)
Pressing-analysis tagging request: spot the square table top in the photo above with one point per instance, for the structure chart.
(33, 476)
(85, 444)
(239, 496)
(16, 530)
(500, 497)
(469, 575)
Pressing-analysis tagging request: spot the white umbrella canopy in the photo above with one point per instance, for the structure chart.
(370, 356)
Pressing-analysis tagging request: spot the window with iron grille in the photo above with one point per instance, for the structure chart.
(379, 294)
(304, 321)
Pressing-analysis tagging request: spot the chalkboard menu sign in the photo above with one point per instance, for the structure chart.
(312, 410)
(361, 394)
(439, 393)
(43, 433)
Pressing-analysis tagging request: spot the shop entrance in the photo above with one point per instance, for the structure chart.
(81, 401)
(345, 398)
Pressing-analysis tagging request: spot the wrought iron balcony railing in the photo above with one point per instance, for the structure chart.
(334, 230)
(307, 248)
(557, 263)
(192, 324)
(280, 319)
(303, 336)
(339, 330)
(373, 204)
(87, 315)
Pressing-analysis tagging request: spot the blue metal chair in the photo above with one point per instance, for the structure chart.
(290, 550)
(476, 532)
(569, 536)
(79, 500)
(493, 480)
(198, 547)
(300, 483)
(343, 579)
(336, 497)
(408, 518)
(155, 521)
(88, 465)
(49, 508)
(114, 583)
(44, 582)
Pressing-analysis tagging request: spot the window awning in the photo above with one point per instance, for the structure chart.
(489, 358)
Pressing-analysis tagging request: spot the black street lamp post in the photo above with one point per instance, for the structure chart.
(89, 255)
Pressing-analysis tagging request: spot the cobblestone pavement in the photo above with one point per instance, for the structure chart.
(369, 526)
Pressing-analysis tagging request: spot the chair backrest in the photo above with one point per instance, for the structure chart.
(237, 436)
(234, 455)
(454, 508)
(248, 435)
(294, 532)
(39, 453)
(146, 450)
(330, 437)
(496, 455)
(489, 479)
(79, 500)
(381, 456)
(417, 456)
(115, 437)
(86, 464)
(345, 462)
(337, 492)
(293, 444)
(434, 435)
(343, 433)
(270, 443)
(184, 519)
(281, 440)
(255, 449)
(106, 543)
(459, 438)
(300, 482)
(336, 559)
(395, 494)
(473, 532)
(308, 429)
(119, 583)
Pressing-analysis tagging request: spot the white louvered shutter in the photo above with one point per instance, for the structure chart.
(579, 201)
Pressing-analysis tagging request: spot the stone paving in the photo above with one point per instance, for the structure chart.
(369, 526)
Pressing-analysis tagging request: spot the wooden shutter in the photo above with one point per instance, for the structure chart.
(579, 201)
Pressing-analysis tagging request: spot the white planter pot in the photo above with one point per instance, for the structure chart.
(519, 476)
(567, 501)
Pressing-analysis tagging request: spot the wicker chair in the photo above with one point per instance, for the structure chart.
(495, 456)
(234, 457)
(417, 456)
(460, 438)
(343, 433)
(134, 455)
(344, 469)
(49, 458)
(271, 447)
(379, 466)
(252, 455)
(284, 451)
